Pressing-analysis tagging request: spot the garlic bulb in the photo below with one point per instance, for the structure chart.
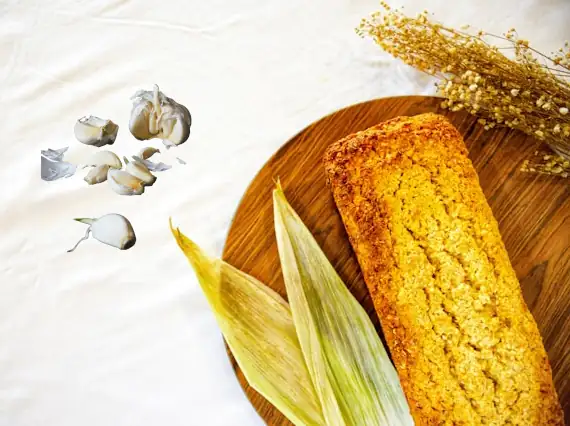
(112, 229)
(148, 152)
(155, 115)
(97, 174)
(124, 183)
(101, 158)
(140, 171)
(95, 131)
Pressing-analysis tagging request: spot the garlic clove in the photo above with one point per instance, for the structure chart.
(97, 174)
(140, 171)
(124, 183)
(154, 124)
(115, 230)
(181, 161)
(112, 229)
(148, 152)
(101, 158)
(179, 130)
(139, 122)
(175, 124)
(95, 131)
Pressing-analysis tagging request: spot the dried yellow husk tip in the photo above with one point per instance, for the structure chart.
(257, 325)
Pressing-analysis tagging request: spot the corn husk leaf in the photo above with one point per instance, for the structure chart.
(257, 325)
(355, 380)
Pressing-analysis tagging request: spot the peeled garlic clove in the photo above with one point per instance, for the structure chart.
(112, 229)
(124, 183)
(95, 131)
(139, 170)
(108, 158)
(148, 152)
(97, 174)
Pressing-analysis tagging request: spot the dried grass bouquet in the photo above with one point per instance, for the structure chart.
(512, 85)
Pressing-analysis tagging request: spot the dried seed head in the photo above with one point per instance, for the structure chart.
(481, 78)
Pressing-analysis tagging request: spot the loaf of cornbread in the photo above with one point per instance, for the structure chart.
(466, 347)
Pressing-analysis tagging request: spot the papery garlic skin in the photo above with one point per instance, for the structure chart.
(124, 183)
(154, 167)
(155, 115)
(53, 167)
(112, 229)
(54, 154)
(101, 158)
(95, 131)
(139, 170)
(97, 174)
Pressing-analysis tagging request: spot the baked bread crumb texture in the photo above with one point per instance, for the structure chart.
(466, 347)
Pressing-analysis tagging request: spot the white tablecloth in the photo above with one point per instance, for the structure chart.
(103, 337)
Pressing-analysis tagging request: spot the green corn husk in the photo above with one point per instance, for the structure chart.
(257, 325)
(355, 380)
(318, 360)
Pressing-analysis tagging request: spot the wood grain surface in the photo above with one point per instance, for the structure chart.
(533, 213)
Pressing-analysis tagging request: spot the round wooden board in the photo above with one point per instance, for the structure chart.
(533, 214)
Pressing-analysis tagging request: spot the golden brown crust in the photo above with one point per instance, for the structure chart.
(465, 345)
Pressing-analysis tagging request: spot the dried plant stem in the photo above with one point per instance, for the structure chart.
(526, 90)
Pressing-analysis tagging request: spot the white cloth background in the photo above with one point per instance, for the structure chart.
(103, 337)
